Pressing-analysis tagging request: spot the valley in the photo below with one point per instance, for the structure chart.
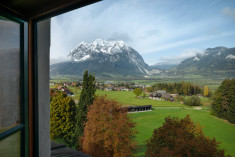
(119, 70)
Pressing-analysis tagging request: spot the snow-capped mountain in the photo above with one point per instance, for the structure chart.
(218, 61)
(102, 57)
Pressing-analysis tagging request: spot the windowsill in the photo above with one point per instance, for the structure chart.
(60, 150)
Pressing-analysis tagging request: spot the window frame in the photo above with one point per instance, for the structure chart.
(23, 57)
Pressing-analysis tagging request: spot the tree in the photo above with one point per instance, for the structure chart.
(206, 91)
(108, 131)
(86, 99)
(193, 101)
(223, 104)
(181, 137)
(137, 91)
(62, 117)
(149, 89)
(56, 86)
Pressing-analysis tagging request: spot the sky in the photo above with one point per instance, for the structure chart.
(160, 30)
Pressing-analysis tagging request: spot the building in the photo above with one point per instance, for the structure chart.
(139, 108)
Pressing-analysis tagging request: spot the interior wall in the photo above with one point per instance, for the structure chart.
(43, 52)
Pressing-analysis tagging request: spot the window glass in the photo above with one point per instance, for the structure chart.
(10, 146)
(9, 74)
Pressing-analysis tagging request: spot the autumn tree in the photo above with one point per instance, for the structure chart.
(137, 91)
(223, 104)
(108, 131)
(206, 91)
(62, 117)
(86, 99)
(181, 137)
(56, 86)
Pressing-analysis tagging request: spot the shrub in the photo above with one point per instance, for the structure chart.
(108, 131)
(179, 138)
(62, 117)
(179, 98)
(223, 104)
(193, 101)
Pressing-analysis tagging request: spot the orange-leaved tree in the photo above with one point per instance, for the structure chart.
(181, 137)
(109, 131)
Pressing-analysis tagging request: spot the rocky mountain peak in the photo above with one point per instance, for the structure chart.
(98, 46)
(102, 56)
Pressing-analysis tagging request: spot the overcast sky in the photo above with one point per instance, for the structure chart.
(160, 30)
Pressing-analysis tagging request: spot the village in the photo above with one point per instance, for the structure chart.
(118, 86)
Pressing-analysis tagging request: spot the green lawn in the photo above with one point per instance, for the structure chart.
(128, 98)
(213, 127)
(146, 122)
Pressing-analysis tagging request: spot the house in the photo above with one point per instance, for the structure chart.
(52, 83)
(167, 96)
(74, 84)
(108, 89)
(155, 96)
(67, 91)
(138, 108)
(159, 95)
(161, 91)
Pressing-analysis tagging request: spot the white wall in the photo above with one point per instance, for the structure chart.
(43, 43)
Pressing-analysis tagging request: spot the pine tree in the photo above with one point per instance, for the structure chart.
(223, 104)
(86, 99)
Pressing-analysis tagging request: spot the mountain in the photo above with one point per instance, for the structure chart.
(103, 58)
(214, 62)
(163, 65)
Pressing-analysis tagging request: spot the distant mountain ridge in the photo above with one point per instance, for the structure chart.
(163, 65)
(103, 57)
(110, 58)
(218, 61)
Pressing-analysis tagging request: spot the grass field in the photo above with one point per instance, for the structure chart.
(128, 98)
(146, 122)
(213, 127)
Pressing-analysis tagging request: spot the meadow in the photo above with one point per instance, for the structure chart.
(146, 122)
(128, 98)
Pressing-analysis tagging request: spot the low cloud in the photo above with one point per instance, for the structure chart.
(184, 55)
(228, 11)
(120, 36)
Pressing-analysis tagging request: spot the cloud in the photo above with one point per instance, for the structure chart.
(187, 53)
(228, 11)
(120, 36)
(153, 29)
(189, 41)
